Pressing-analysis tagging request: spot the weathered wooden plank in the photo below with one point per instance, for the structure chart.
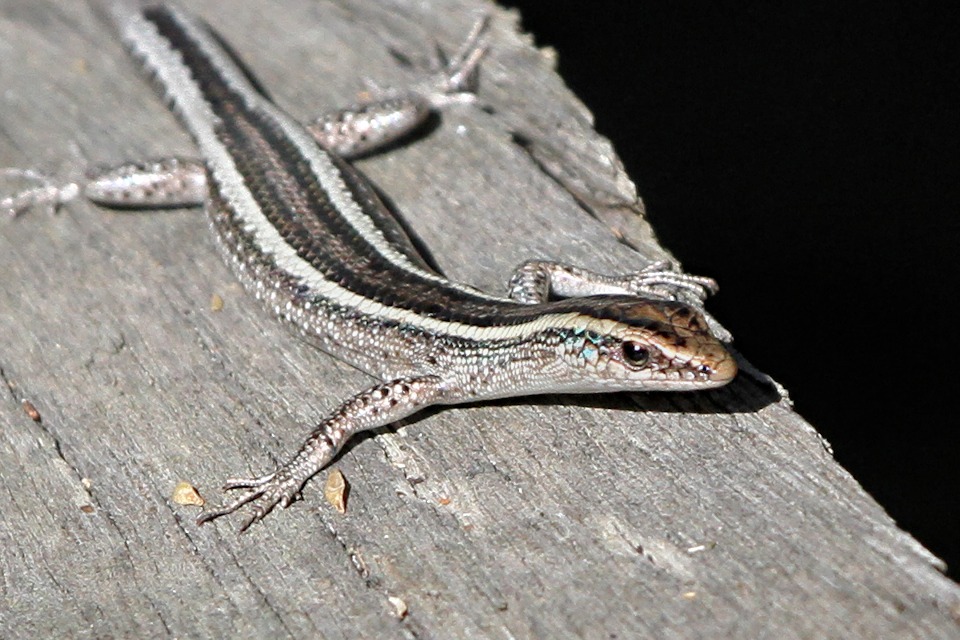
(675, 516)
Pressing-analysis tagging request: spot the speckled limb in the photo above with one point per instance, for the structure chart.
(537, 281)
(375, 407)
(182, 182)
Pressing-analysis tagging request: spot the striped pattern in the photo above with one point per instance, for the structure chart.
(327, 239)
(316, 216)
(306, 234)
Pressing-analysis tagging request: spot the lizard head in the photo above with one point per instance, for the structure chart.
(630, 344)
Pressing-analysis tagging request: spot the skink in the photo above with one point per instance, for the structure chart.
(307, 235)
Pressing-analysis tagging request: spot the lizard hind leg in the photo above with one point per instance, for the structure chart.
(152, 184)
(375, 124)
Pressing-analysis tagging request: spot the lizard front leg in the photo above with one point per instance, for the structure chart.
(375, 407)
(537, 281)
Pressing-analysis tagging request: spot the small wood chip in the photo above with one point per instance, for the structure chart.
(216, 302)
(955, 612)
(697, 549)
(80, 65)
(335, 490)
(31, 410)
(186, 493)
(87, 508)
(399, 607)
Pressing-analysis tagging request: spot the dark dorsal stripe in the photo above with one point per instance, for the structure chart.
(294, 201)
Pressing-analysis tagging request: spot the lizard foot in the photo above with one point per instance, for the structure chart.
(39, 191)
(278, 488)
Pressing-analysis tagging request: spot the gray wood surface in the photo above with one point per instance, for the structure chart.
(720, 514)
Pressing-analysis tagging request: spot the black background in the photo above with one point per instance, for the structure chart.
(804, 155)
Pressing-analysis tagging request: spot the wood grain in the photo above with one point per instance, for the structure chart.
(672, 516)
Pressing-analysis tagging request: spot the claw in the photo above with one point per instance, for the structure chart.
(462, 69)
(232, 506)
(259, 513)
(247, 483)
(269, 490)
(458, 77)
(472, 42)
(666, 278)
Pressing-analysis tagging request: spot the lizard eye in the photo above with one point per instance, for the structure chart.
(635, 354)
